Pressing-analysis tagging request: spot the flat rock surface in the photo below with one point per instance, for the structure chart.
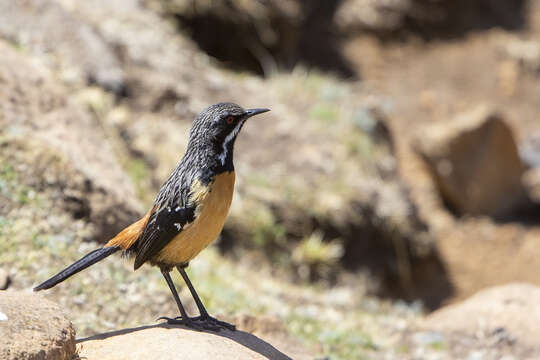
(33, 328)
(170, 342)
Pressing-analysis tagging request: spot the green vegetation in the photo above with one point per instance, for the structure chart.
(307, 309)
(265, 229)
(10, 186)
(316, 258)
(138, 171)
(326, 112)
(338, 342)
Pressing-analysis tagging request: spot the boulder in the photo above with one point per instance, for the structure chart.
(504, 318)
(4, 279)
(532, 181)
(529, 151)
(33, 328)
(372, 14)
(475, 163)
(173, 342)
(428, 18)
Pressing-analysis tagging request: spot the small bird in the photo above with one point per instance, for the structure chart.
(188, 213)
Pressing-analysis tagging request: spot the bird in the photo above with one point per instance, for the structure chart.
(188, 212)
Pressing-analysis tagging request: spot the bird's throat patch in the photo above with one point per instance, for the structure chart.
(226, 150)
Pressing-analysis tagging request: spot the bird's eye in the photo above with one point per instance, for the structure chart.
(229, 119)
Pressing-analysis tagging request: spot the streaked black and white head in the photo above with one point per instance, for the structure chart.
(217, 127)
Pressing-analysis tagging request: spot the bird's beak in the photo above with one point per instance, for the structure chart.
(252, 112)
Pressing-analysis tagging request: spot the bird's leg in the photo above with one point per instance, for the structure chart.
(202, 309)
(204, 316)
(184, 319)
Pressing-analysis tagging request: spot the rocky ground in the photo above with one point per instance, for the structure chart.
(358, 224)
(447, 81)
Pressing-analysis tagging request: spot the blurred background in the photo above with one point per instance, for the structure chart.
(397, 174)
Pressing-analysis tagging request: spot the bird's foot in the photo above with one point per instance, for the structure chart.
(199, 323)
(188, 322)
(207, 320)
(202, 322)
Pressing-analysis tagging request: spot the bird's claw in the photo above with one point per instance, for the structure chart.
(188, 322)
(199, 323)
(209, 320)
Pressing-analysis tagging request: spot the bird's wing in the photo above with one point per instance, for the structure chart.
(170, 215)
(164, 225)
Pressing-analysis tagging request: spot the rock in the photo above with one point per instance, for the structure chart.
(4, 279)
(503, 316)
(529, 150)
(514, 307)
(372, 14)
(475, 162)
(524, 52)
(170, 342)
(273, 331)
(427, 18)
(33, 328)
(531, 179)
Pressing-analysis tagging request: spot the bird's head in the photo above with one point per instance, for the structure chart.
(217, 127)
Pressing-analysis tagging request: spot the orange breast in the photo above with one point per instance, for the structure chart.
(215, 201)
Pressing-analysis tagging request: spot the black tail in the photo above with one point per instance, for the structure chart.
(79, 265)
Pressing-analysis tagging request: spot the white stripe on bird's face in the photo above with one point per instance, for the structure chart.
(223, 155)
